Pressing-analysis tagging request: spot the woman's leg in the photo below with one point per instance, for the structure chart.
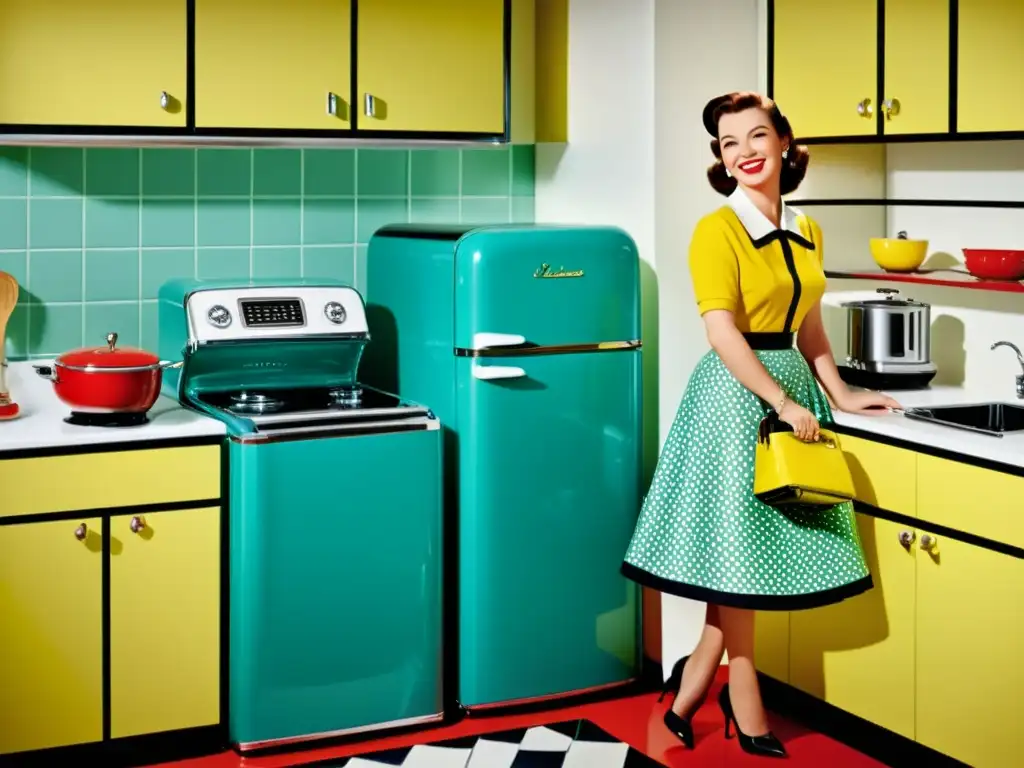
(744, 691)
(700, 669)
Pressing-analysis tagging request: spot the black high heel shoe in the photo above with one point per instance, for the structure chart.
(680, 727)
(765, 745)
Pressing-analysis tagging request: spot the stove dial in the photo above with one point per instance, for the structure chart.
(335, 312)
(219, 316)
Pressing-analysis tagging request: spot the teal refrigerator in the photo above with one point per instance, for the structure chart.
(525, 341)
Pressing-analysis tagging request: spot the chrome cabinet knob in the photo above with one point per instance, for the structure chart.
(165, 100)
(891, 107)
(369, 105)
(81, 532)
(928, 543)
(864, 108)
(137, 524)
(906, 538)
(332, 104)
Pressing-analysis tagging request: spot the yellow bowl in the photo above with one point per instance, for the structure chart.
(895, 255)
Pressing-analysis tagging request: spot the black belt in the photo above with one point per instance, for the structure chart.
(765, 341)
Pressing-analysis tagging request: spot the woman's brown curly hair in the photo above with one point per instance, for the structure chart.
(794, 165)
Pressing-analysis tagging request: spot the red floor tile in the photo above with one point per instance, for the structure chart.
(635, 720)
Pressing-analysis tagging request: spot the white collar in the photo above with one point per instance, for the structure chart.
(756, 223)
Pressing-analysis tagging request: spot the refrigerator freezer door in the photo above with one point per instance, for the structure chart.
(551, 286)
(550, 492)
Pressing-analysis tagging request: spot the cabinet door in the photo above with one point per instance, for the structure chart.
(269, 64)
(97, 63)
(771, 644)
(826, 65)
(164, 621)
(918, 84)
(990, 58)
(431, 66)
(969, 636)
(51, 634)
(859, 654)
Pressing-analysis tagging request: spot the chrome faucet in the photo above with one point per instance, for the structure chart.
(1020, 359)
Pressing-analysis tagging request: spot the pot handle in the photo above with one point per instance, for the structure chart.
(167, 364)
(47, 372)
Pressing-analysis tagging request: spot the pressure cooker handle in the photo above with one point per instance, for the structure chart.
(886, 291)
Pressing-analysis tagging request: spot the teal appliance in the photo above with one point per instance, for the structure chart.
(525, 340)
(334, 527)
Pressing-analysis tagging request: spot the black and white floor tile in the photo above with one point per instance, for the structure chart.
(570, 744)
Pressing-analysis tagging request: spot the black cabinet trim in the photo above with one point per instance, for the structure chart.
(353, 133)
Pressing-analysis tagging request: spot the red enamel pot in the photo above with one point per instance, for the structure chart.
(108, 379)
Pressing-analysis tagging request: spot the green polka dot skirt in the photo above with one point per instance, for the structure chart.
(702, 534)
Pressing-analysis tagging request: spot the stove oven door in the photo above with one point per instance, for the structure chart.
(335, 596)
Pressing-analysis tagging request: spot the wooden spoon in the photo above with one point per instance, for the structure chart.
(8, 299)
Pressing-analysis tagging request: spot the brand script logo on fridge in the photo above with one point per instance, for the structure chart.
(546, 271)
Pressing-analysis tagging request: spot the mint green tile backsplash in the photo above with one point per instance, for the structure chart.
(91, 234)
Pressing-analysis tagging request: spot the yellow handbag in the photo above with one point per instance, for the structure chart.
(791, 472)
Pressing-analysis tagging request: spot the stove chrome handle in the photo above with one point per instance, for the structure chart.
(494, 372)
(489, 340)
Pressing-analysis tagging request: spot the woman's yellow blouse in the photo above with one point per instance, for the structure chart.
(755, 283)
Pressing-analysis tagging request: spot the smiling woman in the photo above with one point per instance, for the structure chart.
(758, 279)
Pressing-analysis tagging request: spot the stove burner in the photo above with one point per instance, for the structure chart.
(85, 419)
(255, 402)
(346, 397)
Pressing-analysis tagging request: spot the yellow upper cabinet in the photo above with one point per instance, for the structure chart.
(436, 66)
(915, 98)
(990, 60)
(273, 65)
(825, 66)
(51, 658)
(96, 63)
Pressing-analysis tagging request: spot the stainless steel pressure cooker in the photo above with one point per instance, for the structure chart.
(890, 337)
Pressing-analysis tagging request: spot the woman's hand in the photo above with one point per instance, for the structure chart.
(804, 425)
(867, 403)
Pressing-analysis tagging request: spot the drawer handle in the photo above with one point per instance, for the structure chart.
(369, 105)
(137, 525)
(81, 532)
(332, 104)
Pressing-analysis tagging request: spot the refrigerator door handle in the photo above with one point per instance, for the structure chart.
(486, 340)
(491, 372)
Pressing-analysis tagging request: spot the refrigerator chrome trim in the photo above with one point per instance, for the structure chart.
(408, 721)
(550, 349)
(550, 696)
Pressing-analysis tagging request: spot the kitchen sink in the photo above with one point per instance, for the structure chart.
(994, 419)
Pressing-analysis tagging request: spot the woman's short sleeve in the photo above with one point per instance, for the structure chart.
(714, 267)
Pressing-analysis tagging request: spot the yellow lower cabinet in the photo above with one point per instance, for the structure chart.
(970, 680)
(51, 658)
(164, 621)
(771, 644)
(859, 654)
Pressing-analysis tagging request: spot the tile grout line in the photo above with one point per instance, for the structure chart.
(252, 208)
(28, 248)
(138, 296)
(195, 214)
(85, 197)
(302, 211)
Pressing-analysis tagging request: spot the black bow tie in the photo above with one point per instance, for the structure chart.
(783, 234)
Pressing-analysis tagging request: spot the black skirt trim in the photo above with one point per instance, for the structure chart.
(751, 602)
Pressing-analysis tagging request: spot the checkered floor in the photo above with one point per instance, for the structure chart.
(571, 744)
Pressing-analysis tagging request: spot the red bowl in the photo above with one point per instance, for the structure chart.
(994, 264)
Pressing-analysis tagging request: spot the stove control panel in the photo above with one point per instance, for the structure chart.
(275, 312)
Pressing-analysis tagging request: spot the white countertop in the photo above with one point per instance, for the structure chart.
(41, 421)
(1008, 449)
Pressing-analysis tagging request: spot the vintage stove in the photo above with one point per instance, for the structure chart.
(334, 532)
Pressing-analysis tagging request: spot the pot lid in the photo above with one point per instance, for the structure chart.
(891, 300)
(110, 356)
